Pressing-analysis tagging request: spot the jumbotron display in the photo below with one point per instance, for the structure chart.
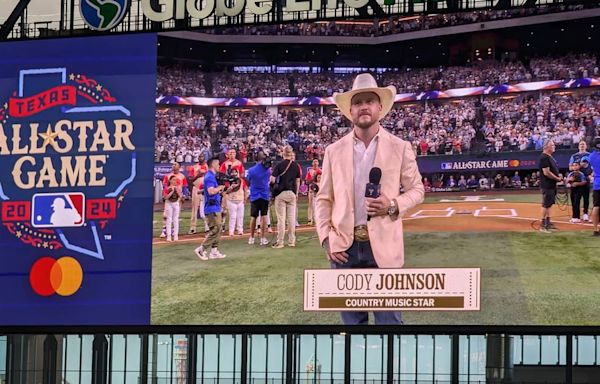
(508, 193)
(145, 191)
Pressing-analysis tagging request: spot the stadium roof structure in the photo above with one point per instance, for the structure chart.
(504, 39)
(126, 16)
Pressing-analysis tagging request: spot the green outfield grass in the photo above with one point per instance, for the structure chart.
(527, 278)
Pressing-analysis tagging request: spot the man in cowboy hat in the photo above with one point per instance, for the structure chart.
(359, 232)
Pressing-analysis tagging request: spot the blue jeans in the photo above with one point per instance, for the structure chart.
(360, 255)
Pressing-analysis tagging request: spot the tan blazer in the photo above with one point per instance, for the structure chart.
(334, 207)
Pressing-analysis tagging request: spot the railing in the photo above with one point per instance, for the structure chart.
(383, 355)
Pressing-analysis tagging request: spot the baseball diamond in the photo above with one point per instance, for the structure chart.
(544, 279)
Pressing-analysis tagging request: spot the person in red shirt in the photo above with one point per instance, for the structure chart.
(309, 151)
(173, 196)
(457, 146)
(236, 193)
(424, 147)
(231, 162)
(311, 175)
(180, 181)
(318, 152)
(197, 178)
(243, 154)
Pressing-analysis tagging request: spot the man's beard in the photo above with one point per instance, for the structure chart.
(365, 125)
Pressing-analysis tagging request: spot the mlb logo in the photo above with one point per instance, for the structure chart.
(446, 165)
(58, 210)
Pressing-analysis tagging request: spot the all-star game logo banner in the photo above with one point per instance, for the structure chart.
(76, 160)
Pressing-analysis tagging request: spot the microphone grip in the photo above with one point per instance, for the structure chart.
(373, 191)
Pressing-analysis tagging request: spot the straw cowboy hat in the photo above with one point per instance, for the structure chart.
(363, 83)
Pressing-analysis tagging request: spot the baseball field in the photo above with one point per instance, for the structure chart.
(528, 277)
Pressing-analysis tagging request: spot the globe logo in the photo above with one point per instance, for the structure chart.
(103, 15)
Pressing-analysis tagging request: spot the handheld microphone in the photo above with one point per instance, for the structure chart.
(373, 189)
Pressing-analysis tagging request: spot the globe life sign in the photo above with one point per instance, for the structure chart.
(202, 9)
(103, 15)
(106, 15)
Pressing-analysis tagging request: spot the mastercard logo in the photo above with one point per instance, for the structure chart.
(61, 276)
(514, 163)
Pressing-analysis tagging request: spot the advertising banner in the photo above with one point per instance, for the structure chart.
(400, 98)
(495, 161)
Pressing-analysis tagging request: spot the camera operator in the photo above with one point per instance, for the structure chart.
(258, 180)
(236, 194)
(212, 210)
(286, 182)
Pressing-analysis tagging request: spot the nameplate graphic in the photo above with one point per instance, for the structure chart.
(430, 289)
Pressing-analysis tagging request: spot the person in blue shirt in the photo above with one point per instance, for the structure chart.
(212, 211)
(595, 164)
(577, 182)
(472, 183)
(576, 157)
(516, 180)
(451, 182)
(258, 182)
(586, 170)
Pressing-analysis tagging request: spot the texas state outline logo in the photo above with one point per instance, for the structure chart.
(61, 191)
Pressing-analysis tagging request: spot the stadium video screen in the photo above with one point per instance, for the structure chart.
(139, 190)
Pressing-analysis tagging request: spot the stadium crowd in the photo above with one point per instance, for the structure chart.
(180, 81)
(255, 84)
(388, 26)
(182, 136)
(564, 67)
(523, 122)
(482, 181)
(441, 127)
(186, 82)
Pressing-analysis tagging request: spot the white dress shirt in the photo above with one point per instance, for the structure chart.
(364, 158)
